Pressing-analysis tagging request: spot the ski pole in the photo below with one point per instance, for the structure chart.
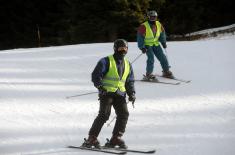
(68, 97)
(136, 58)
(111, 121)
(165, 52)
(116, 116)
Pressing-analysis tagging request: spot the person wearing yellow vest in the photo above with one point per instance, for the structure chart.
(114, 78)
(149, 36)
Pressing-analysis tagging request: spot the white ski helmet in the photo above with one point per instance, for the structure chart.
(152, 15)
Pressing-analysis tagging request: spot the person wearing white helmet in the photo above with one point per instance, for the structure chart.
(149, 36)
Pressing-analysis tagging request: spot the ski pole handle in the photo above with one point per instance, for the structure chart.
(133, 105)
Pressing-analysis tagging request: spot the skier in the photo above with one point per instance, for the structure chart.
(114, 78)
(149, 34)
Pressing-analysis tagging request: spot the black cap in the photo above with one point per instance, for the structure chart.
(119, 43)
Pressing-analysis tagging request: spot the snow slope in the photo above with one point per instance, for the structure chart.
(190, 119)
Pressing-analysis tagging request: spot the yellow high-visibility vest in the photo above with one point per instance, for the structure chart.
(112, 81)
(150, 40)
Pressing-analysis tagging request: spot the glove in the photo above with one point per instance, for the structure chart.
(102, 91)
(132, 98)
(164, 45)
(144, 50)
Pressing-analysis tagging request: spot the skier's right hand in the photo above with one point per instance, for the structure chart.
(144, 50)
(102, 91)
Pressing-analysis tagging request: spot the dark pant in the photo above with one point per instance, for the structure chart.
(120, 106)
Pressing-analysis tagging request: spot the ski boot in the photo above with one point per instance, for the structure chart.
(150, 77)
(116, 142)
(91, 142)
(168, 74)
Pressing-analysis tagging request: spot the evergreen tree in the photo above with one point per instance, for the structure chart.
(21, 19)
(102, 21)
(77, 21)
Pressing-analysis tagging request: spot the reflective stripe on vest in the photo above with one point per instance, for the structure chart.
(150, 40)
(111, 81)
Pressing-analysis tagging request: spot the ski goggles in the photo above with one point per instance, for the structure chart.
(153, 18)
(122, 50)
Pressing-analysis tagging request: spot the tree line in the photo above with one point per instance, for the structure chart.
(27, 23)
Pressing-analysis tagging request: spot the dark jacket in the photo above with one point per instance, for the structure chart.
(102, 68)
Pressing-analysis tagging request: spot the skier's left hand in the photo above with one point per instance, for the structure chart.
(132, 98)
(164, 45)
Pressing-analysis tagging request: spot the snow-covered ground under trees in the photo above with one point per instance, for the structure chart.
(197, 118)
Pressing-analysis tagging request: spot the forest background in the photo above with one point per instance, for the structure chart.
(38, 23)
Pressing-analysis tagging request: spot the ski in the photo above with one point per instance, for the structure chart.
(132, 150)
(99, 150)
(177, 79)
(111, 147)
(160, 82)
(181, 80)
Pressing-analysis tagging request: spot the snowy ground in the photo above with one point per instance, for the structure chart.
(190, 119)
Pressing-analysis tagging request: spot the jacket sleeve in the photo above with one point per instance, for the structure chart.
(162, 38)
(100, 70)
(130, 88)
(140, 36)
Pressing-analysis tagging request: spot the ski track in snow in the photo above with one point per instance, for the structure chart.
(196, 118)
